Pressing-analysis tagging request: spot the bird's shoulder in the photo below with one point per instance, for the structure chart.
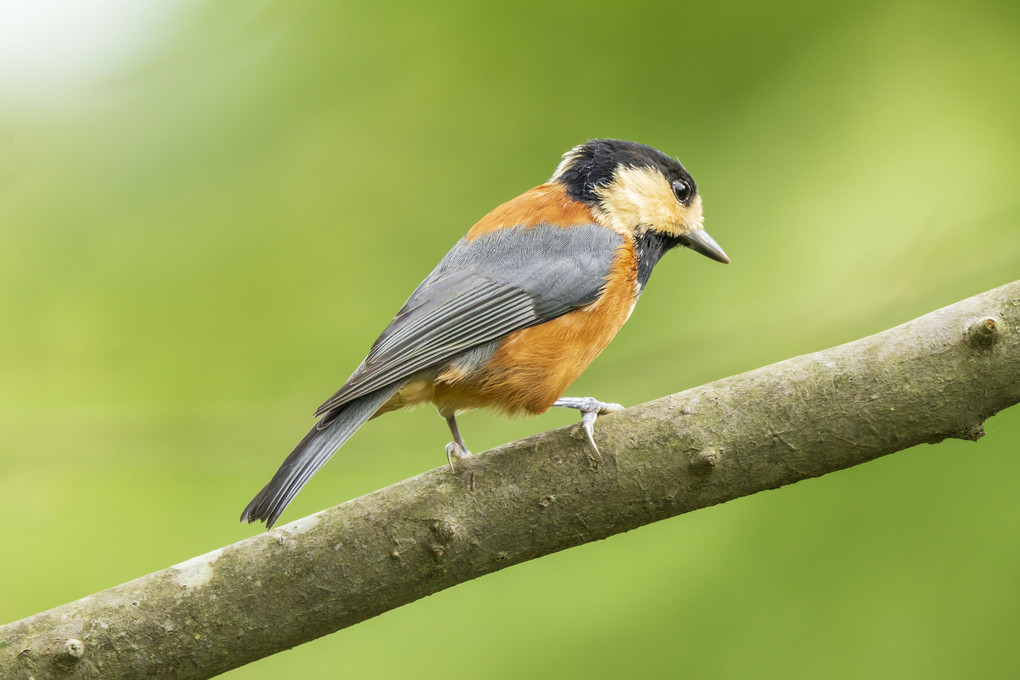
(545, 204)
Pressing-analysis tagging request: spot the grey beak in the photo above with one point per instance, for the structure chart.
(700, 242)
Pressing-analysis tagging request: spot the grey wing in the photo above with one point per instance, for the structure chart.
(484, 289)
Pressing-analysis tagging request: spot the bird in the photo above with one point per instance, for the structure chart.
(519, 307)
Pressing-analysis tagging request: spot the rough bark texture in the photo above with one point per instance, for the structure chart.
(935, 377)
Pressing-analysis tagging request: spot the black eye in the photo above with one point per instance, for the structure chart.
(682, 191)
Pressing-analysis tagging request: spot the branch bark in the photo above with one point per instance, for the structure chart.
(935, 377)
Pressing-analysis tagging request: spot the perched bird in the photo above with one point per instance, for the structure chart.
(519, 307)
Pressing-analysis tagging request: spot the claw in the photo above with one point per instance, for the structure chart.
(455, 451)
(588, 423)
(590, 409)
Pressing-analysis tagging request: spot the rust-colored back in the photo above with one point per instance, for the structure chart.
(545, 204)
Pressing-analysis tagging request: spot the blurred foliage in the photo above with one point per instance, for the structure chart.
(200, 240)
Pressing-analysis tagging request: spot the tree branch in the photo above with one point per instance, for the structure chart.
(938, 376)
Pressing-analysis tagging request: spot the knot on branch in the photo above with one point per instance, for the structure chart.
(705, 460)
(443, 532)
(984, 331)
(70, 652)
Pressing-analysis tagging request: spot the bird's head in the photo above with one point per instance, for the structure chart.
(637, 191)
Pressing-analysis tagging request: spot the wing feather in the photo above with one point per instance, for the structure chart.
(484, 289)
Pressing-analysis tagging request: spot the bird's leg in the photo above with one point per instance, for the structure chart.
(590, 409)
(455, 449)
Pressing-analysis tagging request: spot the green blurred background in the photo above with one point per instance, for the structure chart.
(208, 210)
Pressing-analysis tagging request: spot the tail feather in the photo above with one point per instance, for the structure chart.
(311, 453)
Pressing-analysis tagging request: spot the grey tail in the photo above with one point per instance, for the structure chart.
(318, 446)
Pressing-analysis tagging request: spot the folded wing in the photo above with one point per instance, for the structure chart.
(482, 290)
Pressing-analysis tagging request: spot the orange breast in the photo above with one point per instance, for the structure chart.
(533, 367)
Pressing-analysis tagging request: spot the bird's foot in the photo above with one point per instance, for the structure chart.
(590, 409)
(455, 451)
